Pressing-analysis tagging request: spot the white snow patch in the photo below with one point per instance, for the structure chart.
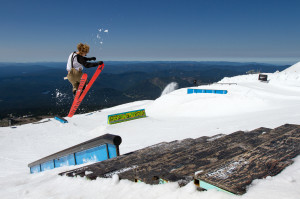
(227, 169)
(170, 88)
(215, 137)
(100, 36)
(198, 172)
(88, 172)
(120, 171)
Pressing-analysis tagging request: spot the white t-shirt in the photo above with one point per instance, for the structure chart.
(76, 64)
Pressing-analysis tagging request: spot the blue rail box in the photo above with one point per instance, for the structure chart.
(191, 91)
(60, 119)
(95, 150)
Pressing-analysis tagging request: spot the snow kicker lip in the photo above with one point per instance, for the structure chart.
(227, 163)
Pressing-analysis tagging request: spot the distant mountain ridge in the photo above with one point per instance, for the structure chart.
(39, 88)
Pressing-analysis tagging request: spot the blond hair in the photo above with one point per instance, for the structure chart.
(83, 48)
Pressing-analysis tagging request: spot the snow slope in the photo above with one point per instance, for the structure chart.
(249, 104)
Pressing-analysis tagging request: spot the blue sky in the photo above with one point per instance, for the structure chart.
(230, 30)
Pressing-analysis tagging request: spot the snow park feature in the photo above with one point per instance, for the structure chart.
(98, 149)
(224, 162)
(60, 119)
(249, 104)
(127, 116)
(191, 91)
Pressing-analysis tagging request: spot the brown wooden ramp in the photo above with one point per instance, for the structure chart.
(256, 154)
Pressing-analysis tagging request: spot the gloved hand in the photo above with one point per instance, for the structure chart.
(100, 62)
(93, 58)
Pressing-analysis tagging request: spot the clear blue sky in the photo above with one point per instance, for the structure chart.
(232, 30)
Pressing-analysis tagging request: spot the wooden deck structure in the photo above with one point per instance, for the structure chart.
(225, 162)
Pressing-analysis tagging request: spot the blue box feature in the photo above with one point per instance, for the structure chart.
(191, 91)
(95, 154)
(65, 161)
(221, 92)
(35, 169)
(94, 150)
(60, 119)
(112, 151)
(47, 165)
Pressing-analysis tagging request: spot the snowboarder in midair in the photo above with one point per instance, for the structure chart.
(76, 62)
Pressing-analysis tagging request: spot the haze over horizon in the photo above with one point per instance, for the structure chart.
(239, 31)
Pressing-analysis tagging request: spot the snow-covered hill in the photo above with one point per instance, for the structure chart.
(249, 104)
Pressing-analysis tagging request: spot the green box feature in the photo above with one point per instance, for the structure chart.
(123, 117)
